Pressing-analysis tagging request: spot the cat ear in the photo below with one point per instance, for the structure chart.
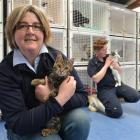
(112, 53)
(59, 56)
(117, 54)
(72, 61)
(116, 51)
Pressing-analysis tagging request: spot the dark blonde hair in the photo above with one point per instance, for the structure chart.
(15, 17)
(99, 43)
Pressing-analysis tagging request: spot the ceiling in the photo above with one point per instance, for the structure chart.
(119, 1)
(130, 4)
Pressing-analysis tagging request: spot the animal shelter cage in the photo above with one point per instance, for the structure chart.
(126, 48)
(89, 15)
(75, 24)
(122, 22)
(59, 40)
(138, 80)
(56, 9)
(57, 12)
(138, 52)
(81, 46)
(129, 75)
(88, 84)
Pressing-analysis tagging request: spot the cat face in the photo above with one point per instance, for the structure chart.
(62, 66)
(115, 55)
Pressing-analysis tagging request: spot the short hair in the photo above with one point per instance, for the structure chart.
(99, 43)
(15, 17)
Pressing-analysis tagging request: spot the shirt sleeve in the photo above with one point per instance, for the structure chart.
(79, 99)
(18, 117)
(91, 68)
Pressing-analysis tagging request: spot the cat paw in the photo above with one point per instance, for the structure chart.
(95, 104)
(91, 108)
(118, 84)
(48, 131)
(36, 82)
(101, 107)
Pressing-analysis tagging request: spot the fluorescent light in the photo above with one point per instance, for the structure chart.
(136, 9)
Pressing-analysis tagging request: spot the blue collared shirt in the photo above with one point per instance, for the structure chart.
(18, 58)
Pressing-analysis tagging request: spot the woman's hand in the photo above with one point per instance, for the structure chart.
(66, 90)
(109, 61)
(116, 66)
(42, 91)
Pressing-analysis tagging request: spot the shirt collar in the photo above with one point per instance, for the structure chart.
(97, 60)
(18, 58)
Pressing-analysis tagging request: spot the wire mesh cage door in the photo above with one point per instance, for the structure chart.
(88, 14)
(129, 75)
(57, 12)
(116, 14)
(16, 3)
(130, 50)
(80, 13)
(80, 47)
(86, 80)
(100, 17)
(138, 52)
(138, 78)
(130, 24)
(59, 40)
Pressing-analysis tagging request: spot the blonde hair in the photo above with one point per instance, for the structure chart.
(15, 17)
(99, 43)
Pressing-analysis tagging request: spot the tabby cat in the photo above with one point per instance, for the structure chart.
(60, 71)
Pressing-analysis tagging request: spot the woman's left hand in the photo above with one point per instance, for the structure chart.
(116, 66)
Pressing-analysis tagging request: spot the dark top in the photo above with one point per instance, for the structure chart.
(23, 113)
(94, 66)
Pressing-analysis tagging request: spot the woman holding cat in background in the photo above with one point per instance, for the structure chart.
(25, 114)
(100, 72)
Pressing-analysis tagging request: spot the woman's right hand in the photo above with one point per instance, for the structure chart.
(66, 90)
(42, 92)
(108, 61)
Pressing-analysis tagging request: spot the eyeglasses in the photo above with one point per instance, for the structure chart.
(25, 27)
